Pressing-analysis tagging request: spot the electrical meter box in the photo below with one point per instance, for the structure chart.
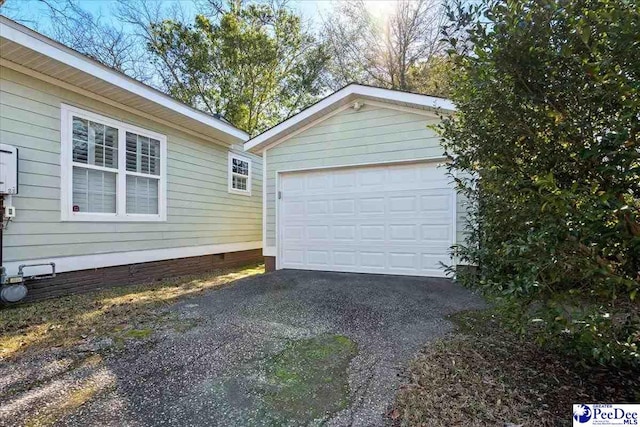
(8, 169)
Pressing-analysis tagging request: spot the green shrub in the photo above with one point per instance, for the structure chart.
(546, 146)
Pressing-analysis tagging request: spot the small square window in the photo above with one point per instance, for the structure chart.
(239, 174)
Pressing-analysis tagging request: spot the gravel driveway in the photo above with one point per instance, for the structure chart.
(283, 348)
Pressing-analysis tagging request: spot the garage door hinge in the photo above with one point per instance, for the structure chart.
(279, 194)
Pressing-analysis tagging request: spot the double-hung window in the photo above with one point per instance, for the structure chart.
(239, 174)
(111, 171)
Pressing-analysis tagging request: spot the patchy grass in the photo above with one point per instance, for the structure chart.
(120, 312)
(183, 325)
(308, 379)
(486, 375)
(139, 334)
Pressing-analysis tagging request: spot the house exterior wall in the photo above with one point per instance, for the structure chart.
(374, 134)
(104, 278)
(200, 210)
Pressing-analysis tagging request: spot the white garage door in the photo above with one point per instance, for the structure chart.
(394, 219)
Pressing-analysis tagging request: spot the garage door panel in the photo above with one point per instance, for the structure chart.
(435, 202)
(393, 261)
(430, 261)
(293, 186)
(402, 175)
(317, 207)
(371, 178)
(436, 232)
(345, 258)
(292, 233)
(433, 220)
(294, 209)
(436, 217)
(384, 219)
(403, 260)
(370, 259)
(403, 204)
(396, 260)
(343, 232)
(403, 232)
(294, 257)
(318, 257)
(397, 179)
(318, 232)
(372, 205)
(390, 207)
(344, 179)
(317, 182)
(390, 234)
(438, 249)
(343, 207)
(369, 232)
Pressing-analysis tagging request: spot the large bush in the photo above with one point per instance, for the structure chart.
(546, 146)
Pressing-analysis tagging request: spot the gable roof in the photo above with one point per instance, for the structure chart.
(29, 51)
(341, 98)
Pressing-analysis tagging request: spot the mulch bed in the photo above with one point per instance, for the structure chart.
(485, 375)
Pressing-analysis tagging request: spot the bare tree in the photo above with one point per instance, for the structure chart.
(91, 35)
(413, 35)
(382, 53)
(141, 16)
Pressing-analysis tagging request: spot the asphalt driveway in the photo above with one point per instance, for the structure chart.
(284, 348)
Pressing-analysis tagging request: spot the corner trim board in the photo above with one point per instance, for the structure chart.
(264, 199)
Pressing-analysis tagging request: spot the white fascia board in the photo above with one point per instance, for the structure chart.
(41, 44)
(353, 90)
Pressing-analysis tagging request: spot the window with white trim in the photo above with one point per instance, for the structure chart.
(239, 174)
(111, 171)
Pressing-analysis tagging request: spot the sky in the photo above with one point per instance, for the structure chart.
(34, 13)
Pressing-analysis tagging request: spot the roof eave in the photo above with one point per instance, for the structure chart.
(342, 96)
(43, 45)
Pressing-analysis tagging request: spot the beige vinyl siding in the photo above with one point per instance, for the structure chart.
(373, 134)
(200, 211)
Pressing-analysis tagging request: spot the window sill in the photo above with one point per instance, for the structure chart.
(111, 218)
(240, 192)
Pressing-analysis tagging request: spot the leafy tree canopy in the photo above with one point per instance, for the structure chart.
(254, 63)
(547, 136)
(432, 76)
(401, 50)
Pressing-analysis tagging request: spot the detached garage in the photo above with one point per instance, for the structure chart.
(356, 183)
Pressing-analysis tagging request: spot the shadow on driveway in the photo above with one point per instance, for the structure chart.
(284, 348)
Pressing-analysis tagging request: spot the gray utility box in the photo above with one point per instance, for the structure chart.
(8, 169)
